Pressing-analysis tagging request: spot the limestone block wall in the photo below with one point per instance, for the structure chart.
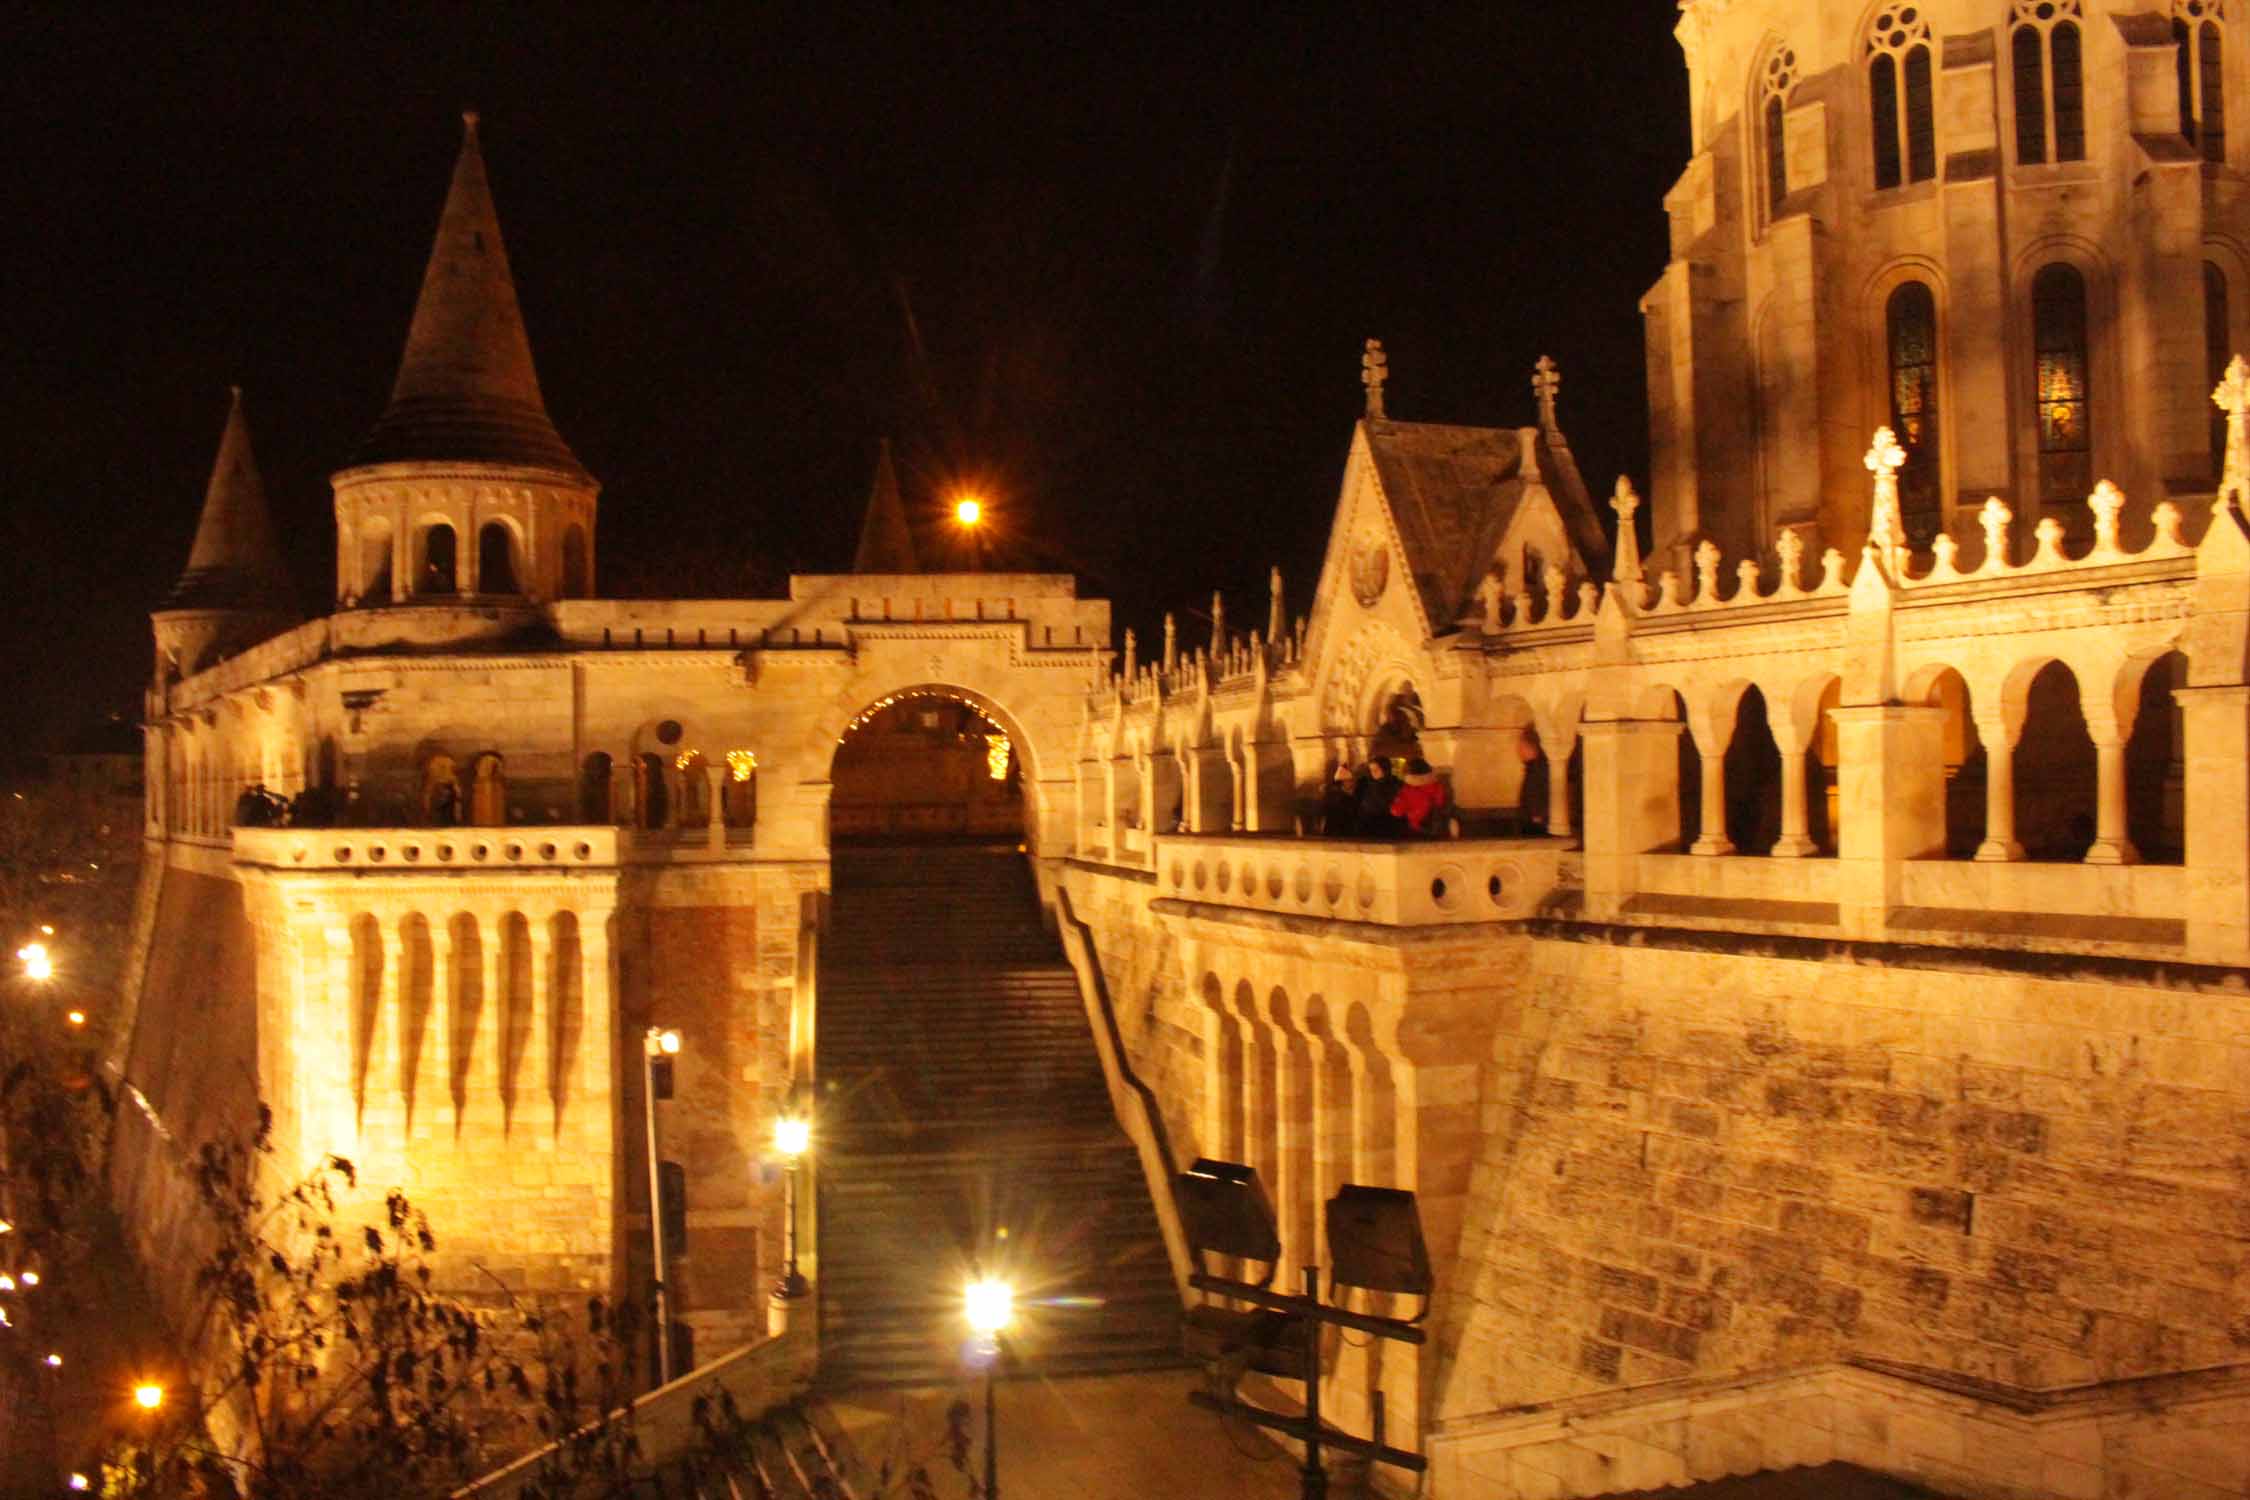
(1711, 1158)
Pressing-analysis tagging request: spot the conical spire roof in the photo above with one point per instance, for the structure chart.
(234, 563)
(886, 544)
(466, 387)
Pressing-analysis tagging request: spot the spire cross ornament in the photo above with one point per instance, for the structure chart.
(2233, 397)
(1885, 532)
(1374, 369)
(1545, 381)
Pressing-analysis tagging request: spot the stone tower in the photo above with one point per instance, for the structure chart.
(464, 488)
(2005, 228)
(235, 591)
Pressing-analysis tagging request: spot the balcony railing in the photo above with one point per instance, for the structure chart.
(408, 849)
(1392, 884)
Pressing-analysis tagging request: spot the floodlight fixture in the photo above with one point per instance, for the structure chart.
(1375, 1241)
(1225, 1210)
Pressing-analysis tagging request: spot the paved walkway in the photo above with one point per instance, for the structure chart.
(1096, 1437)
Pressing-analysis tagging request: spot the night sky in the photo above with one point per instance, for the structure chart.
(1112, 268)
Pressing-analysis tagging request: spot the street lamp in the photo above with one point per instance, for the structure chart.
(990, 1305)
(968, 510)
(792, 1137)
(657, 1042)
(38, 963)
(148, 1397)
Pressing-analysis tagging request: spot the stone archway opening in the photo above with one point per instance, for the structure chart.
(926, 765)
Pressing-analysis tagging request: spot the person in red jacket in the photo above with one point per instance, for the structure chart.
(1422, 800)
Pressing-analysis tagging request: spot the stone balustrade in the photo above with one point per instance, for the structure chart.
(404, 850)
(1392, 884)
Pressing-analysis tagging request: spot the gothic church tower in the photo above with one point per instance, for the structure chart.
(2015, 231)
(464, 488)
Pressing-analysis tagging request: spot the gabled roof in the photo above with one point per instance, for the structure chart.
(1452, 492)
(886, 543)
(234, 563)
(466, 388)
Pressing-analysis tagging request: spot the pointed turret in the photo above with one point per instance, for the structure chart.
(466, 387)
(234, 563)
(886, 543)
(235, 591)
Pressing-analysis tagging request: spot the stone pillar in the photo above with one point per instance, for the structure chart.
(1632, 779)
(1296, 1198)
(2215, 739)
(1890, 804)
(2110, 731)
(1999, 737)
(1796, 830)
(715, 815)
(1238, 775)
(1713, 839)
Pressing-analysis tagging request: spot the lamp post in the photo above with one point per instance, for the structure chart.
(991, 1305)
(657, 1042)
(792, 1136)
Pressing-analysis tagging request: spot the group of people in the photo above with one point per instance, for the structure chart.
(1373, 802)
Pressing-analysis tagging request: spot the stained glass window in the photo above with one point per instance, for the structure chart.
(1911, 325)
(2058, 320)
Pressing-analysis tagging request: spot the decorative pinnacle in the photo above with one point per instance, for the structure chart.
(1625, 502)
(1374, 369)
(469, 118)
(1885, 529)
(2233, 397)
(1546, 380)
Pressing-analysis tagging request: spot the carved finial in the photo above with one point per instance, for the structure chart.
(1707, 572)
(1885, 531)
(1132, 654)
(1555, 579)
(1994, 518)
(2105, 502)
(1627, 568)
(1790, 548)
(1171, 644)
(1488, 595)
(1218, 622)
(1545, 381)
(1374, 369)
(1277, 620)
(2233, 397)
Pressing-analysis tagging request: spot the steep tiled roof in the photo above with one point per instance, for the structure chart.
(466, 387)
(886, 543)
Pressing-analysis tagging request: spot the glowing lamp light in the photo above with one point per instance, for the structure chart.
(6, 1227)
(7, 1283)
(31, 1278)
(792, 1135)
(685, 758)
(968, 510)
(54, 1361)
(740, 764)
(148, 1397)
(76, 1018)
(661, 1043)
(997, 750)
(37, 962)
(990, 1305)
(80, 1482)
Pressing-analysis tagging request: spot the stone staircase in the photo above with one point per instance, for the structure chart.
(965, 1123)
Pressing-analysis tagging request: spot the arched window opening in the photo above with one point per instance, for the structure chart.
(496, 562)
(1899, 93)
(576, 580)
(1690, 774)
(438, 572)
(651, 795)
(926, 764)
(2155, 771)
(1753, 778)
(1535, 797)
(2054, 770)
(1775, 81)
(441, 791)
(375, 564)
(1910, 326)
(1398, 732)
(593, 789)
(739, 790)
(2199, 60)
(695, 788)
(2217, 346)
(2058, 324)
(1964, 767)
(2044, 48)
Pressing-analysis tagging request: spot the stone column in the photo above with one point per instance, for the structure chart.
(2110, 731)
(1713, 838)
(715, 815)
(1999, 737)
(1296, 1198)
(1796, 830)
(1632, 780)
(2215, 743)
(1890, 780)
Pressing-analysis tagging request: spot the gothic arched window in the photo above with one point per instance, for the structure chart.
(1910, 327)
(2058, 340)
(1775, 81)
(2203, 95)
(1898, 89)
(2217, 351)
(2050, 82)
